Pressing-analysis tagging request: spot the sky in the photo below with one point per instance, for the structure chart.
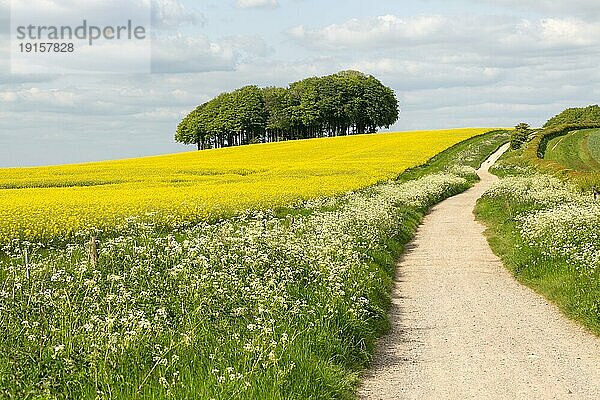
(453, 63)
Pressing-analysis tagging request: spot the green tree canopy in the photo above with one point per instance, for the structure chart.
(345, 103)
(520, 135)
(586, 115)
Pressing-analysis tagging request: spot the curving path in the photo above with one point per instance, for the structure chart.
(463, 328)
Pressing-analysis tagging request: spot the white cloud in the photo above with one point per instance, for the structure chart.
(248, 45)
(569, 34)
(97, 12)
(164, 14)
(409, 74)
(484, 34)
(104, 99)
(257, 3)
(179, 54)
(186, 54)
(58, 101)
(569, 31)
(171, 14)
(468, 70)
(587, 9)
(372, 32)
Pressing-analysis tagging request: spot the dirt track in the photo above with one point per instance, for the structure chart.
(463, 328)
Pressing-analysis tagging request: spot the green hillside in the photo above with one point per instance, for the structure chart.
(578, 150)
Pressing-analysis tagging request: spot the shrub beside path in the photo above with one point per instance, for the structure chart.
(463, 328)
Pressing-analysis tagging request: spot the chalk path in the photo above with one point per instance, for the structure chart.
(463, 328)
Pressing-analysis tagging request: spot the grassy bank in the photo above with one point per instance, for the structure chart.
(277, 305)
(471, 152)
(535, 156)
(545, 230)
(542, 218)
(577, 150)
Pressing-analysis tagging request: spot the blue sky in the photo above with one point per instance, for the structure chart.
(451, 63)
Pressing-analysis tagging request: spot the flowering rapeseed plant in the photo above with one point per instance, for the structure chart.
(42, 204)
(213, 310)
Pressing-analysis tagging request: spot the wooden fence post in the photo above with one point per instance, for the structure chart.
(27, 272)
(93, 251)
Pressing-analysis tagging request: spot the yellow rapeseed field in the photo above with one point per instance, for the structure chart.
(51, 202)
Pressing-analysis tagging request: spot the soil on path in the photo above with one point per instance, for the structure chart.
(463, 328)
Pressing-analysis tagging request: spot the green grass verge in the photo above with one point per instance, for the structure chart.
(533, 155)
(573, 286)
(471, 152)
(577, 150)
(577, 294)
(544, 230)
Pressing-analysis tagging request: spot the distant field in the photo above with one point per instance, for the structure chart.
(577, 150)
(49, 202)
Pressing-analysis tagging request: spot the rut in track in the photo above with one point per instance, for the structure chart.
(463, 328)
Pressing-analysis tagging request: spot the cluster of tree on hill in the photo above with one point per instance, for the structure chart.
(345, 103)
(580, 116)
